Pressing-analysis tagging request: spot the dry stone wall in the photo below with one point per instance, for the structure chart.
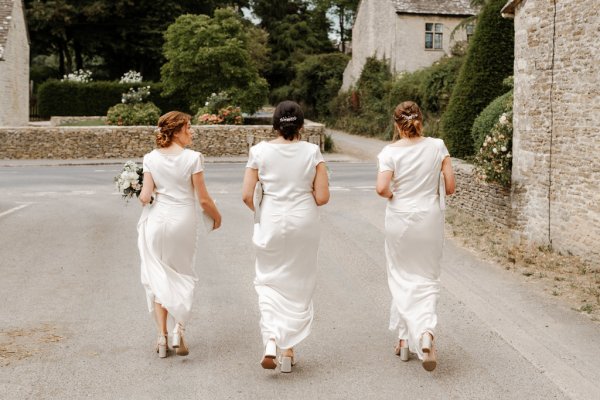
(489, 202)
(131, 141)
(556, 173)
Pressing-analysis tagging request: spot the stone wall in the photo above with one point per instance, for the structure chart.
(132, 141)
(14, 69)
(556, 173)
(490, 202)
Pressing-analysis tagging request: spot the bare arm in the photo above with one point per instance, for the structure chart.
(448, 176)
(321, 185)
(147, 189)
(383, 184)
(250, 179)
(206, 202)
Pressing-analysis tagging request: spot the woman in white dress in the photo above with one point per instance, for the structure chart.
(409, 177)
(294, 181)
(167, 229)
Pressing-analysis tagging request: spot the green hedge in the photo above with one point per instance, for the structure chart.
(64, 98)
(489, 61)
(489, 117)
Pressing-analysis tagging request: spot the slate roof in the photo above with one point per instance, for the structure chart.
(460, 8)
(6, 7)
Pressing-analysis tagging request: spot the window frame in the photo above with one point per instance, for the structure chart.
(434, 36)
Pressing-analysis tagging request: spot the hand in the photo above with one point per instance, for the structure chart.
(145, 198)
(217, 223)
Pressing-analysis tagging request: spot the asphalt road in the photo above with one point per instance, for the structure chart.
(74, 323)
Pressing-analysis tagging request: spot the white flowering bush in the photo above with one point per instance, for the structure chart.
(135, 95)
(215, 102)
(81, 76)
(131, 77)
(493, 162)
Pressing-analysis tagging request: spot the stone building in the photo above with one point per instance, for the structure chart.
(556, 144)
(14, 64)
(411, 34)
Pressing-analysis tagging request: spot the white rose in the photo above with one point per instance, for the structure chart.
(503, 148)
(494, 150)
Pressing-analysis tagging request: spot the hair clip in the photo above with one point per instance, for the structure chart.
(410, 117)
(287, 119)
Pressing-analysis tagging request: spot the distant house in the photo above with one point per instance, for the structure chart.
(411, 34)
(14, 64)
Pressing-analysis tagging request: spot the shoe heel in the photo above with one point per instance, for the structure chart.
(403, 353)
(426, 342)
(286, 364)
(161, 347)
(176, 340)
(269, 360)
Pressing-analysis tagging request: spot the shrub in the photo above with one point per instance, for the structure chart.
(133, 114)
(438, 83)
(318, 79)
(229, 115)
(493, 161)
(64, 98)
(489, 117)
(489, 60)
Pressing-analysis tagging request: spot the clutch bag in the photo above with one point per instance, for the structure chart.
(208, 222)
(257, 200)
(442, 190)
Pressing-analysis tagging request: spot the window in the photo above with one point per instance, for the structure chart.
(434, 34)
(470, 31)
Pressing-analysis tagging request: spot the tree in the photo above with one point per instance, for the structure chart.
(343, 12)
(208, 55)
(489, 61)
(318, 80)
(81, 32)
(296, 29)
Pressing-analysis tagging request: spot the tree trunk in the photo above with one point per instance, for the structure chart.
(78, 55)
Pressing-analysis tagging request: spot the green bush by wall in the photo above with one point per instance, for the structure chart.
(64, 98)
(489, 60)
(483, 124)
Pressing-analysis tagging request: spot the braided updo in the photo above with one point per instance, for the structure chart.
(288, 119)
(409, 120)
(168, 125)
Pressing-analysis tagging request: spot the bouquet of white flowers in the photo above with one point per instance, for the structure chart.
(129, 182)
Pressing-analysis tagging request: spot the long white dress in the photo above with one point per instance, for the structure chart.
(167, 232)
(414, 236)
(286, 239)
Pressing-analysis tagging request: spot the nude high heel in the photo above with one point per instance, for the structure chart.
(402, 350)
(287, 362)
(178, 341)
(429, 355)
(269, 360)
(161, 346)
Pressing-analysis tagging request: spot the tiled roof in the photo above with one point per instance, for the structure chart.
(435, 7)
(6, 7)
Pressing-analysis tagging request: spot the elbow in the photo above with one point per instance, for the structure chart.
(381, 191)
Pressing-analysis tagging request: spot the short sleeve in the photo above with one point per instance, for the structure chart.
(252, 158)
(198, 164)
(146, 163)
(317, 157)
(443, 150)
(385, 162)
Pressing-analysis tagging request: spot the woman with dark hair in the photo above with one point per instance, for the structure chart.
(167, 229)
(410, 177)
(294, 181)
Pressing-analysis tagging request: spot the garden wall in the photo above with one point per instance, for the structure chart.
(132, 141)
(487, 201)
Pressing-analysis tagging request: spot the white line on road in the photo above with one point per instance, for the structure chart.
(12, 210)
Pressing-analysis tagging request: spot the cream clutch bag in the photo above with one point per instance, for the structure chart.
(208, 222)
(442, 190)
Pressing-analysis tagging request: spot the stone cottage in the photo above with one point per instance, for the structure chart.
(411, 34)
(556, 144)
(14, 64)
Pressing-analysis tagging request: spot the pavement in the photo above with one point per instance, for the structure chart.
(74, 325)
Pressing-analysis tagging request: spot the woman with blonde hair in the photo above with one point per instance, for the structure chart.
(293, 177)
(414, 174)
(167, 229)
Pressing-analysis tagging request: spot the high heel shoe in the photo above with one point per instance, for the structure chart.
(161, 346)
(178, 341)
(287, 362)
(429, 355)
(269, 360)
(402, 350)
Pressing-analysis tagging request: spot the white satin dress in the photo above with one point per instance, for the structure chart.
(167, 232)
(414, 236)
(286, 239)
